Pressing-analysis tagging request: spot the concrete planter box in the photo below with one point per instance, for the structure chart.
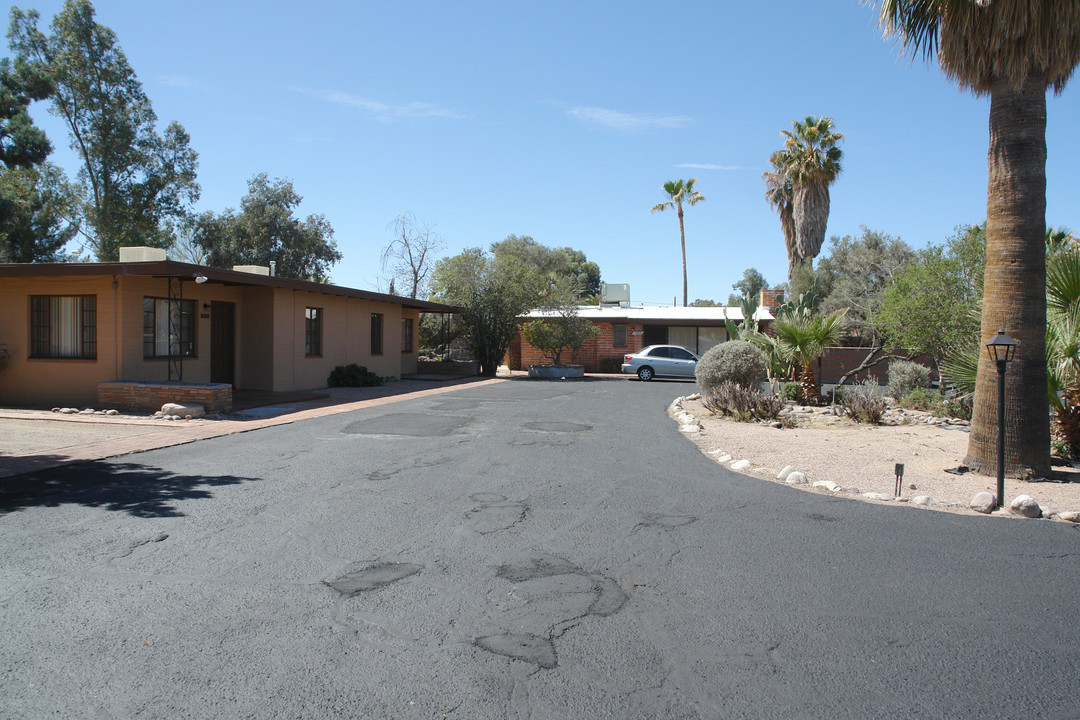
(556, 372)
(458, 367)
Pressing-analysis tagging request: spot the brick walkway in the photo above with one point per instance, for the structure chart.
(12, 465)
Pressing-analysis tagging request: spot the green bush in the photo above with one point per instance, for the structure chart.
(791, 391)
(743, 403)
(863, 403)
(905, 376)
(353, 375)
(922, 399)
(735, 361)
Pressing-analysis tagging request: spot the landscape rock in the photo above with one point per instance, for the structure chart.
(922, 500)
(827, 484)
(877, 496)
(795, 478)
(1070, 516)
(740, 465)
(1025, 506)
(787, 470)
(724, 458)
(112, 412)
(983, 502)
(195, 410)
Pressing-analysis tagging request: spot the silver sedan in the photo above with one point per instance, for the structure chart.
(660, 361)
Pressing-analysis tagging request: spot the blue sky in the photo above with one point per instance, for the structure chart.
(561, 120)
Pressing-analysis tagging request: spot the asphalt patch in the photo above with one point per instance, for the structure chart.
(557, 427)
(408, 424)
(373, 577)
(521, 646)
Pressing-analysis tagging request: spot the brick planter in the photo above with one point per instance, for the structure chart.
(556, 372)
(149, 397)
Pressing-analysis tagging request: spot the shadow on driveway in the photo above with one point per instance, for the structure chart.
(138, 490)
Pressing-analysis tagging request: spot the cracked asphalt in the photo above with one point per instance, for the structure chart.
(517, 550)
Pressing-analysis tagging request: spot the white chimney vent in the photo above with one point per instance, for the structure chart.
(140, 253)
(253, 269)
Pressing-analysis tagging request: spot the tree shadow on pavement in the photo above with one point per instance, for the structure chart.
(139, 490)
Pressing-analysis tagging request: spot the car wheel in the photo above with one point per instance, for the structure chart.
(645, 373)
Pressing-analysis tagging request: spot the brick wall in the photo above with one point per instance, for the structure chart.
(598, 354)
(149, 397)
(771, 298)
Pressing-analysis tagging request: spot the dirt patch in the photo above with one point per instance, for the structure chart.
(862, 459)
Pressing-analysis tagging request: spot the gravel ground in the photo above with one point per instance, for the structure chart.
(863, 458)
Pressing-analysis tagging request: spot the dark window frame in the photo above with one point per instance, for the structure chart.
(188, 330)
(313, 331)
(43, 312)
(376, 334)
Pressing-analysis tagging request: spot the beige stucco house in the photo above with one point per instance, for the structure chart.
(68, 327)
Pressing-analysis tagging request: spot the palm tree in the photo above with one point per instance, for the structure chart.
(680, 192)
(781, 199)
(1011, 50)
(810, 160)
(801, 337)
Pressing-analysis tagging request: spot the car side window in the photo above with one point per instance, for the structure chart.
(680, 354)
(659, 352)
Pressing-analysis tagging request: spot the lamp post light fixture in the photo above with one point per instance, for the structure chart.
(1001, 348)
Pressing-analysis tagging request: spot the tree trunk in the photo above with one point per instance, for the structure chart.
(811, 215)
(787, 222)
(682, 240)
(1015, 284)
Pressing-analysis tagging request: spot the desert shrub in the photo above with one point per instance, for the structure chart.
(353, 375)
(863, 403)
(735, 361)
(957, 408)
(790, 391)
(905, 376)
(743, 403)
(922, 399)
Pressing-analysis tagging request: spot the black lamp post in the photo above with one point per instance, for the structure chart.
(1001, 348)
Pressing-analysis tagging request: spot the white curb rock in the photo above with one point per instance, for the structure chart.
(725, 458)
(740, 465)
(1025, 506)
(877, 496)
(1071, 516)
(922, 500)
(783, 474)
(827, 484)
(983, 502)
(195, 410)
(795, 478)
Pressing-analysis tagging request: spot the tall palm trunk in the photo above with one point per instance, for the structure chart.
(682, 239)
(787, 223)
(1015, 283)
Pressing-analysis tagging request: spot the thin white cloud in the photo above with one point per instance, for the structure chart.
(706, 166)
(384, 112)
(625, 121)
(182, 81)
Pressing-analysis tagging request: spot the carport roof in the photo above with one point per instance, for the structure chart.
(187, 271)
(651, 315)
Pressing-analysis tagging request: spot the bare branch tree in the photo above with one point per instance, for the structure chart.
(411, 254)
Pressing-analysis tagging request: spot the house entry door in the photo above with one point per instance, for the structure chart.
(222, 342)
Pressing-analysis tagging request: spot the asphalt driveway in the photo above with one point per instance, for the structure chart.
(523, 550)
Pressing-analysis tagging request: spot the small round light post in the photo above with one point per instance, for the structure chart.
(1001, 348)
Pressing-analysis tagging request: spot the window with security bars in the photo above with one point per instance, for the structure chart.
(406, 335)
(313, 332)
(63, 326)
(618, 336)
(168, 328)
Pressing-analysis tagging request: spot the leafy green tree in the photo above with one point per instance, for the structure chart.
(750, 287)
(37, 211)
(562, 328)
(22, 144)
(492, 292)
(679, 192)
(138, 184)
(810, 162)
(266, 229)
(699, 302)
(1012, 51)
(553, 263)
(931, 306)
